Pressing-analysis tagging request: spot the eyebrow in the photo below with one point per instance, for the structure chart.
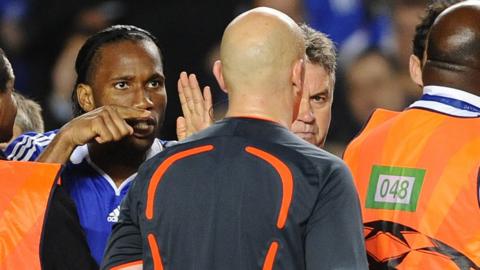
(325, 91)
(122, 78)
(157, 76)
(129, 77)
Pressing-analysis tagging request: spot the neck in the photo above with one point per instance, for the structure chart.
(271, 107)
(466, 79)
(116, 161)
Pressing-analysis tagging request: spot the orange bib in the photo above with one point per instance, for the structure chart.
(417, 175)
(24, 196)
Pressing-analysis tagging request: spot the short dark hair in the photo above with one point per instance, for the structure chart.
(85, 63)
(6, 72)
(320, 50)
(421, 30)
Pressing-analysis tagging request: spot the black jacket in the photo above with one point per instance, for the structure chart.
(243, 194)
(63, 244)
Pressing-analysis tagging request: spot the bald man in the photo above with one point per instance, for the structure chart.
(245, 193)
(418, 171)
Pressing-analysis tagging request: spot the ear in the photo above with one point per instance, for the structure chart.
(298, 75)
(85, 97)
(415, 67)
(217, 72)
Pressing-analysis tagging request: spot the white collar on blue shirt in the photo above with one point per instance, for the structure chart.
(437, 104)
(81, 153)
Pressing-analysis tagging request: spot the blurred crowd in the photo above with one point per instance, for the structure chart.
(373, 39)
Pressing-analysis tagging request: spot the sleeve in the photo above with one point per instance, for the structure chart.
(64, 245)
(334, 238)
(124, 247)
(28, 146)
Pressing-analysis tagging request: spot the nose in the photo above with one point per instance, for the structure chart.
(143, 100)
(306, 116)
(305, 112)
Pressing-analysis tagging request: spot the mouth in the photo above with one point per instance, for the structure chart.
(305, 135)
(143, 128)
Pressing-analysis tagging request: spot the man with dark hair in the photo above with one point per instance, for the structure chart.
(8, 108)
(314, 116)
(119, 104)
(417, 171)
(406, 15)
(420, 38)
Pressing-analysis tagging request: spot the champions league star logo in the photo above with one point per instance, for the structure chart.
(389, 245)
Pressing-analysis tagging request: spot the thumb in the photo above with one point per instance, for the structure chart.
(181, 128)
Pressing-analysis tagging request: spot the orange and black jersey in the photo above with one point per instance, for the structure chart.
(243, 194)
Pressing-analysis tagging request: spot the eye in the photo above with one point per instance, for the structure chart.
(121, 85)
(154, 84)
(319, 98)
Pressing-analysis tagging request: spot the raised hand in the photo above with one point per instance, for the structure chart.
(195, 106)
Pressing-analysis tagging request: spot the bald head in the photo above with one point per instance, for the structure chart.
(259, 49)
(453, 48)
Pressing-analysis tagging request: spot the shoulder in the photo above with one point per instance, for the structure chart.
(286, 148)
(313, 155)
(332, 167)
(28, 146)
(328, 168)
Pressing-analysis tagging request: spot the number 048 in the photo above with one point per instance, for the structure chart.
(395, 189)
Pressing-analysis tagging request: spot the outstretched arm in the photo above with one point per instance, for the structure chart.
(195, 106)
(104, 124)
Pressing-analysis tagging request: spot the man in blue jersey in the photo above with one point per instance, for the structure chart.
(119, 103)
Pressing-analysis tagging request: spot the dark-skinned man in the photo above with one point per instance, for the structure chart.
(417, 171)
(8, 108)
(119, 102)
